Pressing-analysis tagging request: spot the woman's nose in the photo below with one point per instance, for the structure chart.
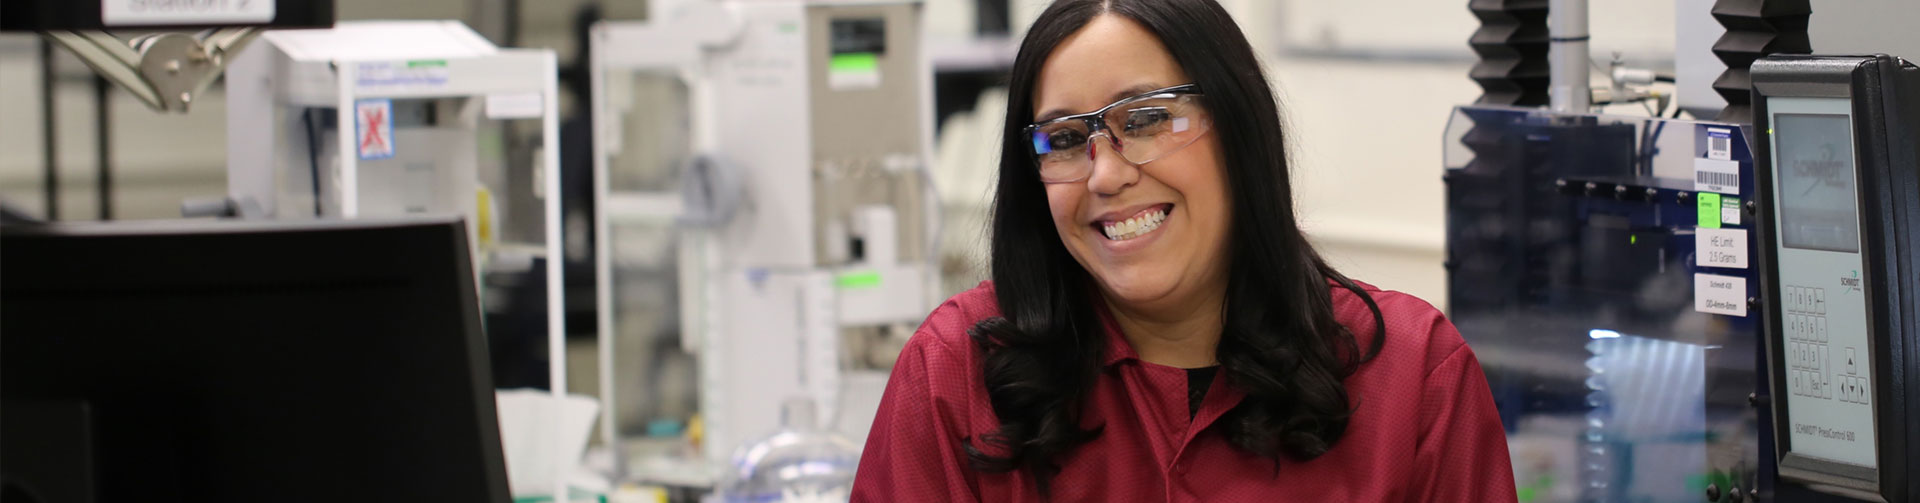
(1111, 170)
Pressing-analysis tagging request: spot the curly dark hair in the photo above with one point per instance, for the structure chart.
(1280, 342)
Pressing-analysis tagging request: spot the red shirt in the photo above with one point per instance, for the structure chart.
(1425, 428)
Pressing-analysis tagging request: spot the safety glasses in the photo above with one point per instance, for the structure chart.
(1142, 129)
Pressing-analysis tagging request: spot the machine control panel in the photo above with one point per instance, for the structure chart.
(1839, 187)
(1818, 252)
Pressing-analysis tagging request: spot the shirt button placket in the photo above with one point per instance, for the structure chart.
(1177, 482)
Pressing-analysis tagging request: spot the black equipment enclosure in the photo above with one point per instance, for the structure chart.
(1858, 430)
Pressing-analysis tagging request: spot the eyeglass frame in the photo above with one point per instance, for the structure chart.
(1097, 125)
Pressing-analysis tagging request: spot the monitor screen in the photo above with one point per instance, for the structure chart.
(1815, 166)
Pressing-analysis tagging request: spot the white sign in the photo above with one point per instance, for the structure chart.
(1720, 248)
(1716, 294)
(515, 106)
(1711, 175)
(188, 12)
(373, 128)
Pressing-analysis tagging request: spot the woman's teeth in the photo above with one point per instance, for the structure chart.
(1137, 226)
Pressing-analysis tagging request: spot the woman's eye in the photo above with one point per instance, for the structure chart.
(1147, 120)
(1066, 140)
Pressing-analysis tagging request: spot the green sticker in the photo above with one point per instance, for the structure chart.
(860, 279)
(854, 62)
(1709, 210)
(1730, 210)
(427, 63)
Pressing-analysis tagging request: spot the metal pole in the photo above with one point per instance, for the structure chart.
(603, 252)
(556, 257)
(50, 174)
(103, 137)
(1567, 56)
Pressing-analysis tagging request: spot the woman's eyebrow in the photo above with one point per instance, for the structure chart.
(1122, 94)
(1136, 90)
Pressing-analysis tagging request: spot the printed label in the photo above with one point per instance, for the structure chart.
(1720, 144)
(189, 12)
(1708, 212)
(846, 72)
(1720, 248)
(423, 73)
(1716, 294)
(1711, 175)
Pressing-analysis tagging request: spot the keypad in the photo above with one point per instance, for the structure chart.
(1815, 370)
(1808, 358)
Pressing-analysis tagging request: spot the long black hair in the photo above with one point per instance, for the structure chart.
(1280, 343)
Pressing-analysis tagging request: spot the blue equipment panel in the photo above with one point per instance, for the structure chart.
(1572, 273)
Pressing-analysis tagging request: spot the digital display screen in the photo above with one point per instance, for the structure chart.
(859, 36)
(1813, 159)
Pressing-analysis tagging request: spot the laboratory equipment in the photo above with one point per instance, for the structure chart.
(1637, 295)
(388, 118)
(800, 463)
(168, 68)
(1574, 243)
(244, 361)
(774, 155)
(1839, 197)
(178, 50)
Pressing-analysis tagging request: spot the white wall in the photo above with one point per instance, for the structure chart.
(1366, 151)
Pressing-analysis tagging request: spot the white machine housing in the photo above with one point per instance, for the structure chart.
(832, 146)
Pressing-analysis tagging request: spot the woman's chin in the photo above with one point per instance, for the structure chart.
(1137, 287)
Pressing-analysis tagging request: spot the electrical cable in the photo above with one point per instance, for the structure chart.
(49, 133)
(313, 155)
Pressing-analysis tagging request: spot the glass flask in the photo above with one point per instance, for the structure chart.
(800, 463)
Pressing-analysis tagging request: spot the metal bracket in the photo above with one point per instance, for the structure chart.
(163, 70)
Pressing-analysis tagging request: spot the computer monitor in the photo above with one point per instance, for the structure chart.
(244, 361)
(1838, 174)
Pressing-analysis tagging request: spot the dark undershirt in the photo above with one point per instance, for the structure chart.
(1197, 382)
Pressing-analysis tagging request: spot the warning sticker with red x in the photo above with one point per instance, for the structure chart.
(374, 131)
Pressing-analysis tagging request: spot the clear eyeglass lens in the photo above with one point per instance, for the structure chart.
(1145, 130)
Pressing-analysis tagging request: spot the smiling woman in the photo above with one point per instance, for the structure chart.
(1167, 332)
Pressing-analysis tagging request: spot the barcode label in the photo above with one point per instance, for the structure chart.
(1720, 144)
(1712, 178)
(1711, 175)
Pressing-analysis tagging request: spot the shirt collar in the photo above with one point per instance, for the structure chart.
(1117, 348)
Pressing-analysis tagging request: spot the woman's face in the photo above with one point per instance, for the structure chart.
(1184, 257)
